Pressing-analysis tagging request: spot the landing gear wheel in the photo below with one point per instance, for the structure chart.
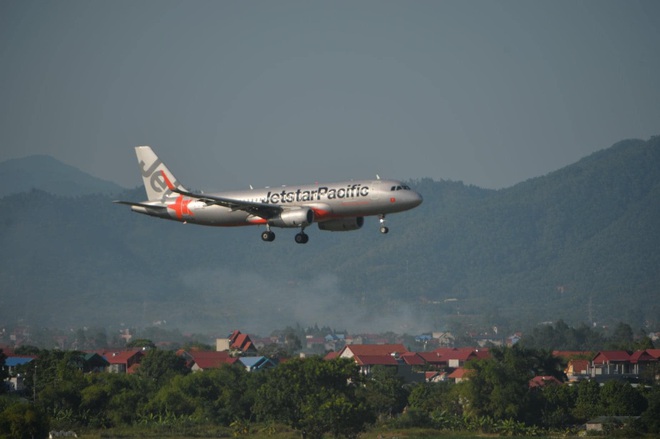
(268, 236)
(383, 227)
(302, 238)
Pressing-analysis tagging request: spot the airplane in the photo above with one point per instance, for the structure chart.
(334, 207)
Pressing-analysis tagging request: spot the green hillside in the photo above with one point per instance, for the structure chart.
(45, 173)
(579, 244)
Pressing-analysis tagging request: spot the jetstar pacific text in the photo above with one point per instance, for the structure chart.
(297, 196)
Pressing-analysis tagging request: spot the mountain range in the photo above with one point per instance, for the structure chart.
(46, 173)
(581, 244)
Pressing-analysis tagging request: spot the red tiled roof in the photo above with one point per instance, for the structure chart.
(133, 368)
(211, 359)
(240, 341)
(638, 356)
(412, 359)
(442, 352)
(459, 373)
(464, 354)
(331, 355)
(540, 381)
(607, 356)
(655, 353)
(433, 358)
(120, 357)
(375, 360)
(461, 354)
(233, 335)
(579, 365)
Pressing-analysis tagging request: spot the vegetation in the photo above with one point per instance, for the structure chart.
(314, 398)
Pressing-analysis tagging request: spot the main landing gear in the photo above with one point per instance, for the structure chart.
(302, 237)
(269, 236)
(383, 227)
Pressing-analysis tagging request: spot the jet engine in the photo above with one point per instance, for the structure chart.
(342, 225)
(301, 217)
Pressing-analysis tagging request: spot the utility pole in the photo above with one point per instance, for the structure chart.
(34, 384)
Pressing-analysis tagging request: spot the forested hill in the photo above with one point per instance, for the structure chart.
(581, 244)
(45, 173)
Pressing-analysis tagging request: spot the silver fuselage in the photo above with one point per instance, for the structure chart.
(328, 201)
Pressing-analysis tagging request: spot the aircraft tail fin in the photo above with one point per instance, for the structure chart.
(155, 175)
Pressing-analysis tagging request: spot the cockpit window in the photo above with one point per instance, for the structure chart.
(403, 187)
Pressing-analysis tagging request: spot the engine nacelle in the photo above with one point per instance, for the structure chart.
(301, 217)
(342, 225)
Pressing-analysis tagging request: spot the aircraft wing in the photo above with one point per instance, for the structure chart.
(262, 210)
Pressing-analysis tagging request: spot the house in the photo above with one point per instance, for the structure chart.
(236, 342)
(577, 370)
(331, 355)
(435, 376)
(256, 363)
(443, 338)
(349, 351)
(412, 359)
(611, 363)
(644, 364)
(542, 381)
(204, 360)
(457, 357)
(14, 361)
(434, 359)
(125, 361)
(93, 362)
(15, 380)
(311, 342)
(460, 374)
(367, 362)
(396, 356)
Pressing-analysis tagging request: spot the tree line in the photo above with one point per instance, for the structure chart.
(314, 397)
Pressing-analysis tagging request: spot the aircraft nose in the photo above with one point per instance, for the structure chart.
(417, 199)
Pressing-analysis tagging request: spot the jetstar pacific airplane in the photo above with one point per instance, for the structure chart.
(334, 206)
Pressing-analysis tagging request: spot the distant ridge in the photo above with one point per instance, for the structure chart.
(48, 174)
(579, 244)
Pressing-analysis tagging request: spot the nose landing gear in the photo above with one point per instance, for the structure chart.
(383, 228)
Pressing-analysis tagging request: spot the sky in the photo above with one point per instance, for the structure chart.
(238, 93)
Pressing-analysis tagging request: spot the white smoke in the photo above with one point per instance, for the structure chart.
(256, 303)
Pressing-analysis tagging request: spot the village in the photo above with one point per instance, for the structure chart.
(440, 362)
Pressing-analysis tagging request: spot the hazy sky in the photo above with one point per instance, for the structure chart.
(274, 92)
